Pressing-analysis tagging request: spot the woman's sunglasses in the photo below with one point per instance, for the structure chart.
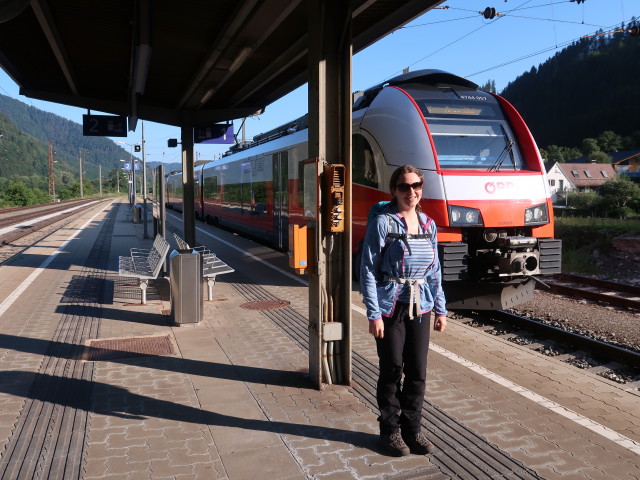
(404, 187)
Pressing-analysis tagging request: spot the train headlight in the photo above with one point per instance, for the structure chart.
(464, 217)
(536, 215)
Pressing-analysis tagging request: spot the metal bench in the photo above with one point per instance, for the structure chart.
(212, 266)
(144, 264)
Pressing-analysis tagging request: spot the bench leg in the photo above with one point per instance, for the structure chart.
(143, 288)
(211, 281)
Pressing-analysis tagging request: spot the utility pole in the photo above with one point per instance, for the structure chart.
(52, 178)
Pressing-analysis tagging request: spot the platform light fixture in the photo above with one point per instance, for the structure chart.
(207, 95)
(242, 56)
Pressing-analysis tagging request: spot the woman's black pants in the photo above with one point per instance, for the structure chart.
(403, 349)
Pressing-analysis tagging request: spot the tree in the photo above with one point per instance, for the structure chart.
(559, 154)
(490, 86)
(599, 157)
(618, 194)
(589, 146)
(609, 141)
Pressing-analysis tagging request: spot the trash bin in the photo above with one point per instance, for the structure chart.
(186, 287)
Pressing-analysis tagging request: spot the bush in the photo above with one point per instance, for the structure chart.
(19, 195)
(584, 238)
(585, 203)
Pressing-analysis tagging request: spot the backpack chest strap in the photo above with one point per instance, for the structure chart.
(414, 295)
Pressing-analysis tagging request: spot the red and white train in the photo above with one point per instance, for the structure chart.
(485, 183)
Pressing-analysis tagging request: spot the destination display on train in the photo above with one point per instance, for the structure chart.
(433, 108)
(456, 110)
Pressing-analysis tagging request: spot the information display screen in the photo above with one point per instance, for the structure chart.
(104, 126)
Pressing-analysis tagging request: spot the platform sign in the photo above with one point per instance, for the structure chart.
(104, 126)
(214, 133)
(127, 166)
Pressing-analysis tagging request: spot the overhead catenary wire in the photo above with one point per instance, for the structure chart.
(505, 15)
(548, 49)
(459, 39)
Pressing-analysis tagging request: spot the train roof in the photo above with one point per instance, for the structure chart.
(362, 100)
(428, 77)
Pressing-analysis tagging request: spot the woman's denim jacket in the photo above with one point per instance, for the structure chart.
(380, 296)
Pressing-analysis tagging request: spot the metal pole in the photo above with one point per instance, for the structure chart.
(144, 188)
(100, 177)
(81, 191)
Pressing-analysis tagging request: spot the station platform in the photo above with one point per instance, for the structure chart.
(229, 397)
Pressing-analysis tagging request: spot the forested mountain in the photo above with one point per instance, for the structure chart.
(585, 89)
(67, 140)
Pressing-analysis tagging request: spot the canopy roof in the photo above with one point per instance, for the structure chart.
(178, 63)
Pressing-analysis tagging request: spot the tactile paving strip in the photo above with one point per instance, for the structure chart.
(115, 348)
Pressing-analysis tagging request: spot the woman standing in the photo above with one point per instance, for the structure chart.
(401, 283)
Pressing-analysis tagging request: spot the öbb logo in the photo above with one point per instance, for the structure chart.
(493, 187)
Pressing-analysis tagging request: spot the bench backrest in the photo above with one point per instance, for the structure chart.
(158, 254)
(158, 242)
(182, 245)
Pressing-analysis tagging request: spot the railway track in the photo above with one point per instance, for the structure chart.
(602, 291)
(31, 229)
(618, 363)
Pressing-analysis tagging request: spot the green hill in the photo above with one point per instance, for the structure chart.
(67, 139)
(585, 89)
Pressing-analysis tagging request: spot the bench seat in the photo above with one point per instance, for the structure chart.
(144, 264)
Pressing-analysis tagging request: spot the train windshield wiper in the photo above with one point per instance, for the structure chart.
(507, 150)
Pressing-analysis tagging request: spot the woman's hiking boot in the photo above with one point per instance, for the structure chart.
(394, 444)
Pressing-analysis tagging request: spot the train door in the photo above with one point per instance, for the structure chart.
(281, 198)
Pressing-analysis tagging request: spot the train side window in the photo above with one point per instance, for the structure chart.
(211, 187)
(364, 165)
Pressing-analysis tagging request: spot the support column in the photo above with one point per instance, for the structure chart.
(188, 197)
(330, 140)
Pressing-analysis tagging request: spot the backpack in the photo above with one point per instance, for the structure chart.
(377, 208)
(392, 234)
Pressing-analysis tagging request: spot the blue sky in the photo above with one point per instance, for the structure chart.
(454, 37)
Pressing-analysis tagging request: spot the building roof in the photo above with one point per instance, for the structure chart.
(624, 156)
(179, 63)
(587, 175)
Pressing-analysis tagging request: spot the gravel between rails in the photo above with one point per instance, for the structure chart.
(606, 323)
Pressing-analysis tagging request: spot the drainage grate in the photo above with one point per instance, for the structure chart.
(115, 348)
(265, 304)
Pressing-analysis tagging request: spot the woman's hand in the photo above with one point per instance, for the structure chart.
(440, 323)
(376, 328)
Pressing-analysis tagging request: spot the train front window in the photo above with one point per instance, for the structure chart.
(475, 144)
(469, 129)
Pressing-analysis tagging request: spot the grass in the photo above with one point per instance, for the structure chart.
(582, 236)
